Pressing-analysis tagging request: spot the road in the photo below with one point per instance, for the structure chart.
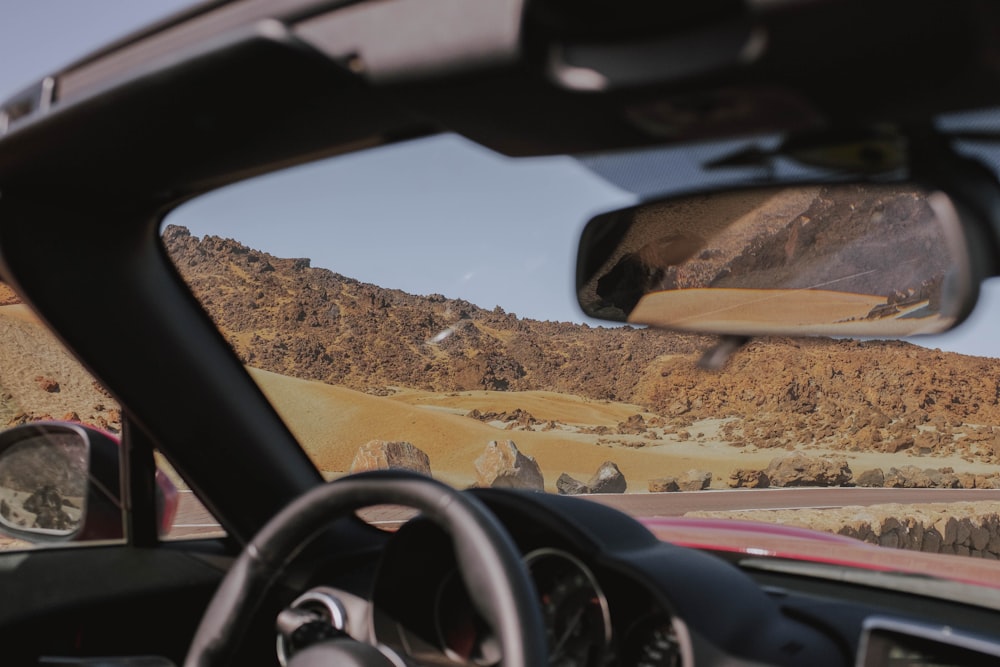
(194, 520)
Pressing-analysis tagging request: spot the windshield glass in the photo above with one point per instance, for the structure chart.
(413, 306)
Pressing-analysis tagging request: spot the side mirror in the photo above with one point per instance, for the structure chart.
(61, 482)
(43, 481)
(828, 260)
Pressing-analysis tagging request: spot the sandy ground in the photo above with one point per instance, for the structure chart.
(19, 312)
(332, 422)
(784, 312)
(31, 355)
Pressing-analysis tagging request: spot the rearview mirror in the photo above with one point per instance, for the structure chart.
(836, 260)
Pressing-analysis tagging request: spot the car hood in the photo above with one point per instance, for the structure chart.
(801, 544)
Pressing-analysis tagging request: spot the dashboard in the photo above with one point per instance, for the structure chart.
(611, 594)
(590, 619)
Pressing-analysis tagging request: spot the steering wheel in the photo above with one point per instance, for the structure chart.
(488, 562)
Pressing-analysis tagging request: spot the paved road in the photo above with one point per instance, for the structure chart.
(193, 520)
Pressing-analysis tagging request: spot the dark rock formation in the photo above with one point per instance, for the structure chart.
(607, 479)
(569, 486)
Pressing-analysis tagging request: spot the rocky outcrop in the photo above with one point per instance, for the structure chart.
(836, 394)
(385, 455)
(516, 419)
(607, 479)
(503, 465)
(802, 470)
(965, 529)
(345, 332)
(634, 425)
(912, 477)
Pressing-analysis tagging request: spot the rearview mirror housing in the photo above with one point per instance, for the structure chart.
(829, 260)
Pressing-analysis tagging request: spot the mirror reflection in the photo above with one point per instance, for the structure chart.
(852, 260)
(43, 483)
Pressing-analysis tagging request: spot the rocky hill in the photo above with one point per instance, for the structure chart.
(286, 316)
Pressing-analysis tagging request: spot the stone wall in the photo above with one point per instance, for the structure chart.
(966, 529)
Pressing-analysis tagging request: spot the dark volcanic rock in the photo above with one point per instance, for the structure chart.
(607, 479)
(569, 486)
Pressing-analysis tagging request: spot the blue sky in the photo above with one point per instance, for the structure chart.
(522, 264)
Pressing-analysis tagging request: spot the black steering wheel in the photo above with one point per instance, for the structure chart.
(488, 561)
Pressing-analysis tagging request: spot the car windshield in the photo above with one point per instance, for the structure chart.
(413, 306)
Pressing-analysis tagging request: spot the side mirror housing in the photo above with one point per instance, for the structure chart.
(61, 482)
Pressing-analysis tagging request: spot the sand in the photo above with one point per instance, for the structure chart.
(332, 422)
(780, 312)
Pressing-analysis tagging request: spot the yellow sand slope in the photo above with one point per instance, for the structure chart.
(332, 422)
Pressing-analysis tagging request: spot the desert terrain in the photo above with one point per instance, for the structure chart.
(570, 434)
(346, 363)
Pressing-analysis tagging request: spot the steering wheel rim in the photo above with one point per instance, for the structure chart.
(488, 561)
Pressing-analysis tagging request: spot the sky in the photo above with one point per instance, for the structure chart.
(527, 255)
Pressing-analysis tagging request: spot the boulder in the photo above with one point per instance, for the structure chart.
(966, 480)
(801, 470)
(874, 478)
(663, 485)
(47, 384)
(912, 477)
(897, 444)
(634, 425)
(570, 486)
(695, 480)
(742, 478)
(906, 477)
(987, 481)
(503, 465)
(386, 455)
(607, 479)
